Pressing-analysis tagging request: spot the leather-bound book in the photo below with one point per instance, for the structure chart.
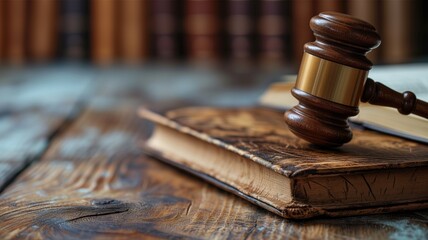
(240, 30)
(15, 31)
(250, 152)
(202, 28)
(74, 20)
(165, 22)
(301, 14)
(132, 31)
(103, 14)
(398, 31)
(368, 11)
(43, 30)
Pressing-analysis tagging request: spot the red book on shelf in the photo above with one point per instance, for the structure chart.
(15, 34)
(103, 20)
(202, 29)
(43, 30)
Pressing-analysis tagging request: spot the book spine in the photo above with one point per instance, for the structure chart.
(132, 31)
(397, 31)
(43, 19)
(368, 11)
(329, 5)
(240, 29)
(2, 30)
(271, 28)
(16, 17)
(74, 31)
(202, 30)
(103, 28)
(302, 12)
(423, 19)
(165, 27)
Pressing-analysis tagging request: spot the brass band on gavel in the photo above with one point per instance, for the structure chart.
(331, 81)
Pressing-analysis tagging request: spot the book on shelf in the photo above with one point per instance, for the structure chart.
(2, 32)
(165, 22)
(272, 27)
(401, 78)
(367, 10)
(329, 5)
(15, 31)
(74, 20)
(251, 153)
(202, 29)
(132, 31)
(43, 30)
(397, 32)
(240, 30)
(103, 31)
(422, 30)
(301, 14)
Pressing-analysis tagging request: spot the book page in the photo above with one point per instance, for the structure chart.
(401, 78)
(408, 77)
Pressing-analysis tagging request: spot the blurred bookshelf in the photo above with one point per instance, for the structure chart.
(253, 33)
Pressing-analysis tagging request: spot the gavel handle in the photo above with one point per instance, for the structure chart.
(378, 94)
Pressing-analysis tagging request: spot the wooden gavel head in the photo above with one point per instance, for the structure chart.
(331, 78)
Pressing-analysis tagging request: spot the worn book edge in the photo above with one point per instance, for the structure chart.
(293, 209)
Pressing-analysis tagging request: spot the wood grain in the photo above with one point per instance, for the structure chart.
(23, 137)
(94, 182)
(32, 111)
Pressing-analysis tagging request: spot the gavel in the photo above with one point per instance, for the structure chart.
(333, 78)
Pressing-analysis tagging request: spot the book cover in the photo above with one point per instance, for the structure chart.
(43, 30)
(74, 21)
(251, 153)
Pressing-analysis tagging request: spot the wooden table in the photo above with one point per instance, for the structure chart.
(71, 166)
